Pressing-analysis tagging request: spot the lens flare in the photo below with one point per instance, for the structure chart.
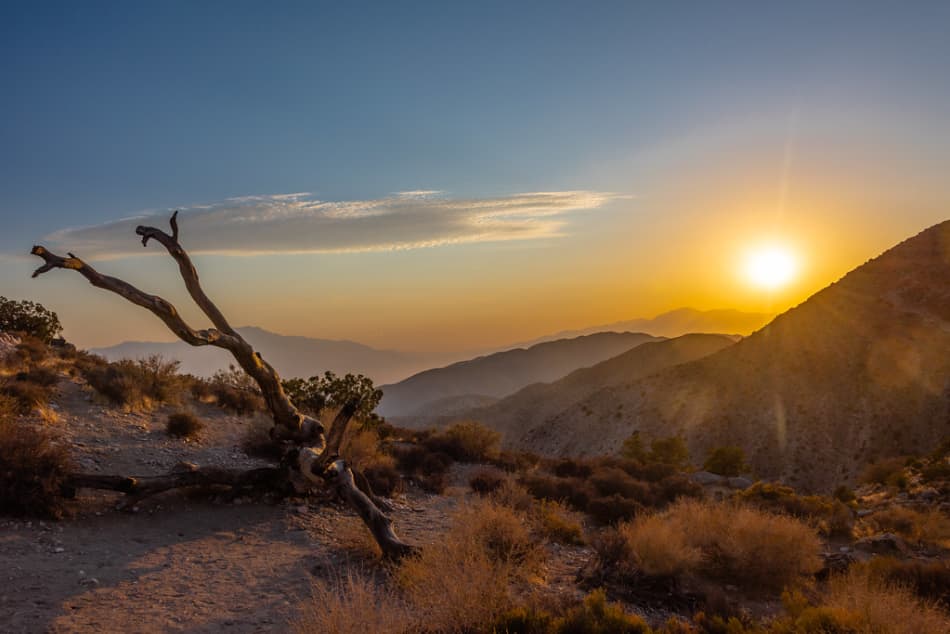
(770, 266)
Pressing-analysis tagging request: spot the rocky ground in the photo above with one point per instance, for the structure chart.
(181, 562)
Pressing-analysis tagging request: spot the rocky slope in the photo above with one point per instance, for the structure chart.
(861, 369)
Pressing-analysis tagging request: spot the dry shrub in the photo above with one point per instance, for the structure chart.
(363, 453)
(134, 384)
(559, 523)
(929, 527)
(462, 582)
(33, 467)
(485, 481)
(353, 604)
(46, 377)
(660, 546)
(183, 425)
(514, 496)
(26, 396)
(857, 602)
(613, 508)
(930, 579)
(596, 616)
(889, 471)
(467, 441)
(829, 515)
(238, 401)
(745, 546)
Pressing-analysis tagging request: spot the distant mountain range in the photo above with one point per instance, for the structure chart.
(500, 374)
(860, 370)
(291, 356)
(672, 324)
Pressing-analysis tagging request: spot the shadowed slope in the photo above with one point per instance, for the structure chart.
(860, 370)
(502, 373)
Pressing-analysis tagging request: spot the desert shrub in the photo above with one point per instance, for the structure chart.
(200, 388)
(930, 579)
(571, 468)
(33, 467)
(670, 451)
(744, 546)
(516, 461)
(673, 488)
(844, 493)
(27, 396)
(633, 449)
(513, 495)
(888, 471)
(353, 603)
(183, 425)
(238, 401)
(45, 377)
(331, 391)
(929, 526)
(612, 481)
(487, 548)
(829, 515)
(574, 491)
(486, 481)
(467, 441)
(596, 616)
(30, 352)
(857, 602)
(134, 383)
(726, 461)
(559, 524)
(613, 508)
(30, 318)
(383, 478)
(660, 547)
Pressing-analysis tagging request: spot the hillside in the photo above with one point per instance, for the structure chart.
(517, 414)
(290, 355)
(858, 371)
(673, 323)
(503, 373)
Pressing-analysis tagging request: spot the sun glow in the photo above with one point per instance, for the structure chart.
(770, 266)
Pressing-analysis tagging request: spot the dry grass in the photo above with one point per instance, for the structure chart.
(857, 602)
(660, 546)
(32, 467)
(558, 523)
(928, 527)
(353, 604)
(744, 546)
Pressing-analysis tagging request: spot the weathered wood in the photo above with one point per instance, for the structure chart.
(317, 461)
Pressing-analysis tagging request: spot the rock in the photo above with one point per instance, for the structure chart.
(883, 544)
(740, 482)
(706, 478)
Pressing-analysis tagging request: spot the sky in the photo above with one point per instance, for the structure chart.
(444, 176)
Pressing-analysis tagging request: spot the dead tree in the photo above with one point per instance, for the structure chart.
(312, 453)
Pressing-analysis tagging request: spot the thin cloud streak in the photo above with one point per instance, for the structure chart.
(299, 223)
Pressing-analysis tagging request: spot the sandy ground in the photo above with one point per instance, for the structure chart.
(180, 563)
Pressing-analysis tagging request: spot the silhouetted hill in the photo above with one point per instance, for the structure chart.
(527, 408)
(502, 373)
(673, 323)
(860, 370)
(290, 355)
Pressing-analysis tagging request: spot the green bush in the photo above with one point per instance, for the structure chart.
(726, 461)
(670, 451)
(29, 318)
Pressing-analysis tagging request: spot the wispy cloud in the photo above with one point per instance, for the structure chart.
(300, 223)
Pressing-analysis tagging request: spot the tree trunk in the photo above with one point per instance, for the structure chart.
(317, 458)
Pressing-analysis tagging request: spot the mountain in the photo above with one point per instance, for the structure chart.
(860, 370)
(290, 355)
(502, 373)
(527, 408)
(673, 324)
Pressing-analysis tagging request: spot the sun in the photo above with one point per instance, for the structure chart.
(770, 266)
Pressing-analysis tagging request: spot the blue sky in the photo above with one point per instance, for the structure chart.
(115, 109)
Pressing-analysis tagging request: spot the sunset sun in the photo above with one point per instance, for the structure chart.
(770, 266)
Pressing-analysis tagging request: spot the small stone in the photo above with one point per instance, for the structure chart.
(59, 549)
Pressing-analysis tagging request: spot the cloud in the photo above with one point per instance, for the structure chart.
(300, 223)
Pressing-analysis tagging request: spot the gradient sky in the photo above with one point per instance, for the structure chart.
(445, 176)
